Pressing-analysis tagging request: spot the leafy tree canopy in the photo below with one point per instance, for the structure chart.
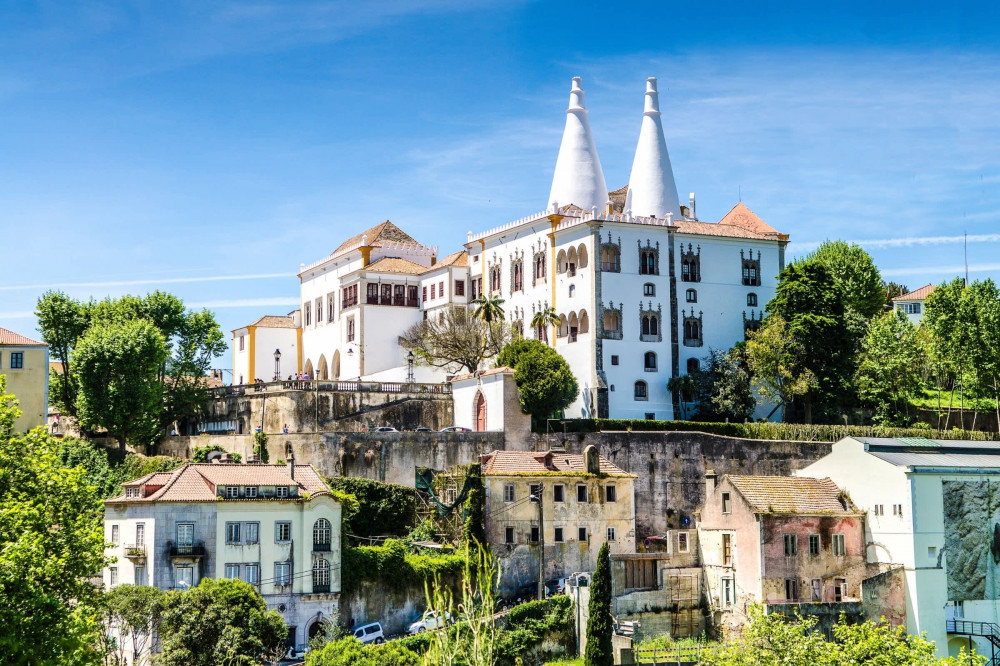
(51, 544)
(455, 340)
(889, 368)
(724, 391)
(544, 379)
(855, 274)
(219, 622)
(384, 508)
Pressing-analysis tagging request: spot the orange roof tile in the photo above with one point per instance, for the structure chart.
(459, 259)
(483, 373)
(744, 218)
(386, 231)
(791, 494)
(197, 482)
(502, 463)
(395, 265)
(11, 338)
(917, 294)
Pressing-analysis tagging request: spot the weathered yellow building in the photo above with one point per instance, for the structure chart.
(25, 363)
(585, 501)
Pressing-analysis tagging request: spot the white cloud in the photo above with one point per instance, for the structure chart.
(150, 281)
(280, 301)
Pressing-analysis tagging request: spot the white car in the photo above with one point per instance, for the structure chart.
(386, 429)
(370, 633)
(432, 620)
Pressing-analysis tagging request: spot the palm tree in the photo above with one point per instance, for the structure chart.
(488, 308)
(542, 320)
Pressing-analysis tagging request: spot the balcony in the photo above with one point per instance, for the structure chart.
(321, 589)
(321, 547)
(185, 551)
(135, 551)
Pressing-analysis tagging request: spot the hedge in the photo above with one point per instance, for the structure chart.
(393, 564)
(772, 431)
(386, 509)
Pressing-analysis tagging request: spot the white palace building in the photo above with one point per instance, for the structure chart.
(642, 288)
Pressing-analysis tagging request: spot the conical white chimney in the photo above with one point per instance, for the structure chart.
(651, 187)
(578, 178)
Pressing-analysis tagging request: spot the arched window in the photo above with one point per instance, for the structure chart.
(582, 255)
(572, 290)
(321, 575)
(612, 322)
(751, 269)
(641, 392)
(610, 258)
(692, 330)
(693, 365)
(649, 361)
(539, 273)
(650, 324)
(561, 261)
(690, 264)
(649, 289)
(517, 275)
(321, 534)
(647, 262)
(691, 295)
(752, 300)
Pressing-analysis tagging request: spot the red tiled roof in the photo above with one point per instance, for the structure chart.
(460, 259)
(11, 338)
(395, 265)
(483, 373)
(791, 494)
(744, 218)
(917, 294)
(502, 463)
(197, 482)
(386, 231)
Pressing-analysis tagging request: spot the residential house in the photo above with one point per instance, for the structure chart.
(932, 506)
(268, 349)
(912, 304)
(25, 363)
(586, 501)
(783, 542)
(274, 526)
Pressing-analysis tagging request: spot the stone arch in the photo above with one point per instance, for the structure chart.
(479, 412)
(572, 290)
(584, 322)
(563, 326)
(572, 259)
(561, 261)
(309, 369)
(582, 254)
(335, 365)
(574, 326)
(316, 628)
(322, 370)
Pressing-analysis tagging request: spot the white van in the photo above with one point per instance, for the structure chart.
(370, 633)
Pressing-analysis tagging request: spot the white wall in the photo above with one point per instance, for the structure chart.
(464, 394)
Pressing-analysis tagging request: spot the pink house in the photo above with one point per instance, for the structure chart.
(779, 541)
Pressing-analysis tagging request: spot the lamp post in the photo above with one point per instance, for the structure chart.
(537, 497)
(277, 365)
(409, 365)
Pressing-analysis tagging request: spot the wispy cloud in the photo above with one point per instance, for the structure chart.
(907, 241)
(16, 315)
(941, 270)
(149, 281)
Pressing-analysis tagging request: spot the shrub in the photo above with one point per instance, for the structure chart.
(392, 564)
(384, 508)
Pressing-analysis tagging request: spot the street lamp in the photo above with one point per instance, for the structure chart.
(409, 363)
(277, 365)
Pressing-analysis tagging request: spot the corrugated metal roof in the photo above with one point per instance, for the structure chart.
(929, 445)
(917, 459)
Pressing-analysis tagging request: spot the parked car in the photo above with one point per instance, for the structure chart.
(456, 429)
(385, 429)
(424, 430)
(430, 621)
(370, 633)
(555, 586)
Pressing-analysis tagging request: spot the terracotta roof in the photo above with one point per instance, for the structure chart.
(197, 482)
(460, 258)
(483, 373)
(270, 321)
(791, 494)
(917, 294)
(713, 229)
(502, 463)
(744, 218)
(386, 231)
(12, 338)
(395, 265)
(617, 198)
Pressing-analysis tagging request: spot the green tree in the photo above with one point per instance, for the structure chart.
(51, 545)
(599, 623)
(489, 308)
(349, 651)
(118, 366)
(219, 622)
(196, 343)
(62, 321)
(545, 382)
(724, 391)
(543, 319)
(455, 340)
(474, 527)
(855, 274)
(810, 301)
(260, 446)
(383, 508)
(893, 290)
(130, 617)
(686, 388)
(889, 367)
(777, 367)
(981, 307)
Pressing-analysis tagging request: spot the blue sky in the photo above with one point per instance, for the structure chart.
(183, 145)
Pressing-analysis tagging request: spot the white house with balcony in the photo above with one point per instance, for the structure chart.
(274, 526)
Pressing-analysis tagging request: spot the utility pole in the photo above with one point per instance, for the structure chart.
(537, 497)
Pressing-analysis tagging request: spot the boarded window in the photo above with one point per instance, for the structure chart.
(641, 575)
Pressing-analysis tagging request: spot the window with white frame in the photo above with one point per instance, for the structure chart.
(115, 537)
(233, 533)
(683, 545)
(839, 547)
(140, 534)
(114, 575)
(184, 576)
(281, 492)
(282, 573)
(251, 491)
(282, 531)
(232, 492)
(726, 592)
(251, 574)
(251, 533)
(232, 571)
(508, 493)
(140, 574)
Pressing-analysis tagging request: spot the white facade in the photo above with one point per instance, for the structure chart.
(902, 488)
(254, 346)
(912, 304)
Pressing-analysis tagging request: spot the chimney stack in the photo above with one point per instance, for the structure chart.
(578, 177)
(592, 459)
(691, 207)
(711, 480)
(291, 466)
(652, 191)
